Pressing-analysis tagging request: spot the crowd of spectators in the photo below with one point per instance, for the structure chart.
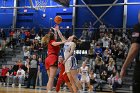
(33, 50)
(107, 47)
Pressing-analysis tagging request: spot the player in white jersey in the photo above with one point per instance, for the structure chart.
(84, 70)
(70, 62)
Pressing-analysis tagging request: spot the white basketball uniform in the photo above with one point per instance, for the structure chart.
(71, 63)
(85, 74)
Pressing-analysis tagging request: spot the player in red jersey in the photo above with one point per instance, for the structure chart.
(51, 62)
(62, 76)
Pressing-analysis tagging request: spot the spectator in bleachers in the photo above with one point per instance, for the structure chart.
(32, 47)
(27, 43)
(41, 49)
(3, 75)
(106, 56)
(98, 50)
(92, 77)
(109, 80)
(27, 61)
(18, 36)
(26, 53)
(84, 35)
(27, 33)
(22, 37)
(2, 34)
(14, 40)
(41, 32)
(18, 65)
(106, 42)
(10, 74)
(116, 82)
(37, 37)
(99, 42)
(91, 57)
(40, 71)
(108, 49)
(11, 34)
(111, 67)
(91, 52)
(102, 28)
(120, 53)
(98, 63)
(32, 33)
(36, 46)
(93, 43)
(20, 76)
(90, 31)
(104, 75)
(102, 79)
(115, 51)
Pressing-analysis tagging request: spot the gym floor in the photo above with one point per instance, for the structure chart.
(23, 90)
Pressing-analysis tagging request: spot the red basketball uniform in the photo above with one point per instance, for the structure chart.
(62, 70)
(52, 58)
(62, 77)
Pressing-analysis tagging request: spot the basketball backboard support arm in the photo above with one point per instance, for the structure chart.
(105, 11)
(15, 14)
(31, 3)
(92, 12)
(125, 15)
(74, 17)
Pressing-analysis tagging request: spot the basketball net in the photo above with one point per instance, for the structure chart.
(40, 5)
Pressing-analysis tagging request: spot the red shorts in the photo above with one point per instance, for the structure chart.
(51, 60)
(64, 78)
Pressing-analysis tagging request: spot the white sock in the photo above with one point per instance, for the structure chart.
(83, 86)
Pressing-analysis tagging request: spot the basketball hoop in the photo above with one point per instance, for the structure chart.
(40, 5)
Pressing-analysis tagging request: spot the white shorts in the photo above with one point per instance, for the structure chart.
(68, 66)
(71, 64)
(85, 78)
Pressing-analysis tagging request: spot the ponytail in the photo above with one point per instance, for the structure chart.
(46, 39)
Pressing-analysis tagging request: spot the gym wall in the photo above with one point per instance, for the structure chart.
(6, 15)
(33, 18)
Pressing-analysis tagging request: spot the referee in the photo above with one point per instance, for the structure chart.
(134, 52)
(33, 67)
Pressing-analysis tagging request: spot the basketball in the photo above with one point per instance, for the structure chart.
(58, 19)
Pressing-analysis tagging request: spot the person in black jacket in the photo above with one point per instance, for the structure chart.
(33, 68)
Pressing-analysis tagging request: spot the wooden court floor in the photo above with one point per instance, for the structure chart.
(24, 90)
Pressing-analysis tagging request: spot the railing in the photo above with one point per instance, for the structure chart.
(69, 28)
